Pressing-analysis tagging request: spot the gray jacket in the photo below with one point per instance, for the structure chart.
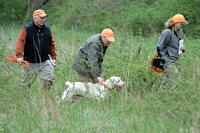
(89, 59)
(168, 44)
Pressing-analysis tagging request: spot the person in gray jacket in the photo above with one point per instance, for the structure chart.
(170, 46)
(89, 59)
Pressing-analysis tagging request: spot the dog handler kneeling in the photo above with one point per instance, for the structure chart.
(89, 59)
(35, 44)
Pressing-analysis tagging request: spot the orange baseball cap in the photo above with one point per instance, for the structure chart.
(179, 18)
(108, 33)
(40, 13)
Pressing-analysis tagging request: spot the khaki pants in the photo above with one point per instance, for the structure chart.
(170, 76)
(45, 70)
(85, 79)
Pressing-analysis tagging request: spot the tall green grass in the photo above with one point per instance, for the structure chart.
(139, 107)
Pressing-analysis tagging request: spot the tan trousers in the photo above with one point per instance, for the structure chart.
(170, 76)
(45, 70)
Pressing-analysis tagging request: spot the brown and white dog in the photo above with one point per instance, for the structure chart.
(98, 91)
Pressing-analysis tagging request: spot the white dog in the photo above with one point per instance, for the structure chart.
(98, 91)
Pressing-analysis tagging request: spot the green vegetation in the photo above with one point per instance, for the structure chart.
(135, 16)
(140, 107)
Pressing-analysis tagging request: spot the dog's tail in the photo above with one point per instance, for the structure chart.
(68, 83)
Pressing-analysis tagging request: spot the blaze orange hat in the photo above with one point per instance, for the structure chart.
(40, 13)
(179, 18)
(108, 33)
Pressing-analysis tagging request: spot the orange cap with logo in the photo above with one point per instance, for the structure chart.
(179, 18)
(108, 33)
(39, 13)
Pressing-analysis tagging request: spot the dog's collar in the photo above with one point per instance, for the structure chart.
(103, 84)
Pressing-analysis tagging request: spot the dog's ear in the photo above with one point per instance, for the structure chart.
(116, 80)
(111, 84)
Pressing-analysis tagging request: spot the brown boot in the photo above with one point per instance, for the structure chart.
(46, 85)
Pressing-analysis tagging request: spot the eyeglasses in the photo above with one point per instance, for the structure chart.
(42, 18)
(182, 23)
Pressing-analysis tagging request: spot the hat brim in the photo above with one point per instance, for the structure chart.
(110, 39)
(43, 15)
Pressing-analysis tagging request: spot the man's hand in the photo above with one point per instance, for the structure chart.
(182, 48)
(100, 79)
(54, 62)
(19, 60)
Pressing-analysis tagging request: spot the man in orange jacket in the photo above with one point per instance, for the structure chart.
(35, 44)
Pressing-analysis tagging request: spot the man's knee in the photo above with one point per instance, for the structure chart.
(82, 78)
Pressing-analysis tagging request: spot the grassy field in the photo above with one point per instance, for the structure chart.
(139, 108)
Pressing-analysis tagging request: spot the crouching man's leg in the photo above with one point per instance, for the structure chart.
(46, 85)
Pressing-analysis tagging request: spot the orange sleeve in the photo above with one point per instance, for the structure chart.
(52, 48)
(19, 49)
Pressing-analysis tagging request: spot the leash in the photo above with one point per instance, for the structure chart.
(102, 83)
(13, 59)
